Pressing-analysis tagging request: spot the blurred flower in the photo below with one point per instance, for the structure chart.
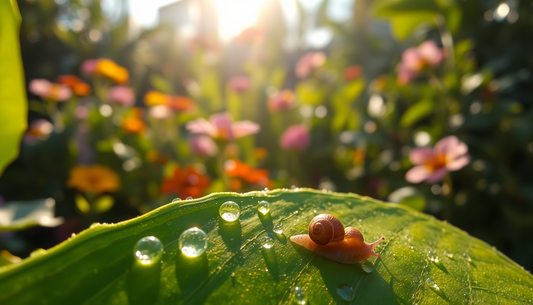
(176, 103)
(203, 146)
(283, 100)
(133, 122)
(111, 70)
(238, 169)
(432, 164)
(96, 179)
(415, 60)
(185, 182)
(78, 87)
(296, 137)
(122, 95)
(239, 84)
(39, 130)
(260, 153)
(156, 157)
(81, 112)
(250, 35)
(352, 72)
(48, 90)
(160, 112)
(309, 62)
(220, 126)
(88, 67)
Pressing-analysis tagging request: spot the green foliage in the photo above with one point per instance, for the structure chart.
(19, 215)
(418, 255)
(13, 107)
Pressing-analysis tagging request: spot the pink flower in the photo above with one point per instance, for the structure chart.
(432, 164)
(203, 146)
(48, 90)
(220, 126)
(309, 62)
(296, 137)
(39, 130)
(81, 112)
(122, 95)
(239, 84)
(88, 67)
(414, 60)
(283, 100)
(160, 112)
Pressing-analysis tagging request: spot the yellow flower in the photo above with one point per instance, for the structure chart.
(95, 178)
(154, 98)
(110, 69)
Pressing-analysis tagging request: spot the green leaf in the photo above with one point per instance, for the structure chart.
(13, 105)
(417, 112)
(19, 215)
(403, 24)
(161, 84)
(97, 266)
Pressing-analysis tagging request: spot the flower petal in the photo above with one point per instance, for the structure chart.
(417, 174)
(458, 163)
(437, 175)
(421, 155)
(244, 128)
(201, 126)
(446, 145)
(222, 124)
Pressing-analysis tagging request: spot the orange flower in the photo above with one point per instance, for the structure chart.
(78, 87)
(185, 182)
(110, 69)
(177, 103)
(133, 123)
(238, 169)
(157, 158)
(260, 153)
(96, 179)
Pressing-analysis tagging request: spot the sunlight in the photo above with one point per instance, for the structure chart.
(236, 15)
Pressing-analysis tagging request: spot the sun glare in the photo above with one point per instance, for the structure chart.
(236, 15)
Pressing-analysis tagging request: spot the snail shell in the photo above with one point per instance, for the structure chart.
(325, 229)
(350, 250)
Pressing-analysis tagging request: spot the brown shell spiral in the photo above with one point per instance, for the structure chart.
(326, 228)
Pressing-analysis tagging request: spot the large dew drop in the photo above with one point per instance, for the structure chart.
(431, 283)
(298, 295)
(277, 229)
(176, 200)
(229, 211)
(367, 266)
(193, 242)
(148, 250)
(263, 207)
(346, 292)
(267, 242)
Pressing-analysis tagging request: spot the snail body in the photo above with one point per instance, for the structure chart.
(341, 245)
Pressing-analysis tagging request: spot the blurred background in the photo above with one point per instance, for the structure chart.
(134, 104)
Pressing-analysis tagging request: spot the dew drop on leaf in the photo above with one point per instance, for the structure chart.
(346, 292)
(178, 200)
(193, 242)
(148, 250)
(367, 266)
(267, 242)
(229, 211)
(277, 229)
(431, 283)
(448, 254)
(263, 207)
(467, 257)
(298, 295)
(189, 198)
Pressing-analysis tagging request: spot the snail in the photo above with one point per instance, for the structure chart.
(327, 237)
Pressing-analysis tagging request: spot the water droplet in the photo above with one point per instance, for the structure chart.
(346, 292)
(467, 257)
(193, 242)
(367, 266)
(73, 235)
(148, 250)
(189, 198)
(433, 257)
(230, 211)
(94, 224)
(448, 254)
(277, 229)
(266, 189)
(178, 199)
(267, 242)
(263, 207)
(168, 223)
(431, 283)
(298, 294)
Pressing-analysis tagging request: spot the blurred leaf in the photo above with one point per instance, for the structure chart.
(354, 89)
(19, 215)
(82, 204)
(7, 258)
(277, 77)
(97, 266)
(13, 103)
(417, 112)
(390, 8)
(104, 204)
(417, 202)
(161, 84)
(404, 24)
(454, 16)
(308, 93)
(462, 48)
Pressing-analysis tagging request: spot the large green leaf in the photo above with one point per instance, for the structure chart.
(97, 266)
(12, 93)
